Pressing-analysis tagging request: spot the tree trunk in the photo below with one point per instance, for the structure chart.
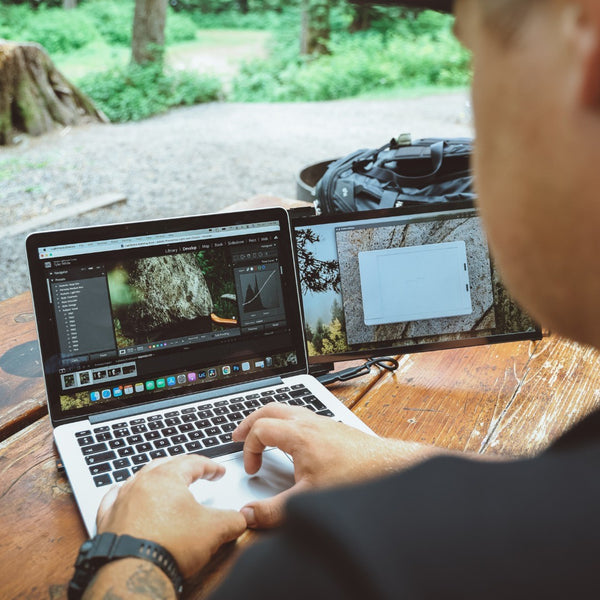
(148, 39)
(315, 27)
(34, 96)
(363, 16)
(69, 4)
(244, 8)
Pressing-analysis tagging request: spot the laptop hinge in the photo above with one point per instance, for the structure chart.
(181, 400)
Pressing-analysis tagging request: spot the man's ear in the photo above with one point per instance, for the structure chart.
(585, 23)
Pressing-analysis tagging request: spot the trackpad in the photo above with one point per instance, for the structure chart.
(236, 488)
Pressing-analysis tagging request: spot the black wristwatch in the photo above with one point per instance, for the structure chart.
(106, 547)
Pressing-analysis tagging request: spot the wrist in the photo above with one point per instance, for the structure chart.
(108, 547)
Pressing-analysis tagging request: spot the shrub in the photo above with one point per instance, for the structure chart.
(180, 28)
(136, 92)
(112, 19)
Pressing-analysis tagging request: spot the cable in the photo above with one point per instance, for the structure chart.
(384, 362)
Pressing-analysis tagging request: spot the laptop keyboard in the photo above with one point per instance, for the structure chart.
(115, 452)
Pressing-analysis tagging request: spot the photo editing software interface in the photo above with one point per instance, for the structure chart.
(156, 315)
(401, 280)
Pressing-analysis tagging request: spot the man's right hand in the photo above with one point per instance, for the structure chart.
(325, 453)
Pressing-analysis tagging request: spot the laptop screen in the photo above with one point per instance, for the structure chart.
(145, 311)
(400, 281)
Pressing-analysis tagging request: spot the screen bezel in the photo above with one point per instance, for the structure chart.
(323, 363)
(44, 312)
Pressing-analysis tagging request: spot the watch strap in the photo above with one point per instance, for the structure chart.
(106, 547)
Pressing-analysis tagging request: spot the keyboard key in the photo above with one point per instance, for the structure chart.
(222, 410)
(96, 459)
(102, 480)
(218, 420)
(211, 441)
(236, 407)
(174, 450)
(196, 435)
(140, 459)
(162, 443)
(119, 425)
(220, 450)
(299, 386)
(153, 418)
(203, 424)
(252, 396)
(169, 431)
(121, 463)
(101, 468)
(136, 468)
(145, 447)
(282, 397)
(318, 404)
(158, 454)
(267, 393)
(139, 429)
(126, 451)
(213, 431)
(186, 427)
(152, 435)
(228, 427)
(172, 421)
(247, 412)
(236, 416)
(226, 437)
(117, 443)
(155, 425)
(282, 390)
(102, 429)
(193, 446)
(267, 400)
(135, 439)
(189, 418)
(103, 437)
(299, 393)
(204, 414)
(221, 403)
(94, 449)
(121, 433)
(122, 475)
(325, 413)
(179, 439)
(137, 421)
(252, 404)
(173, 413)
(188, 411)
(86, 441)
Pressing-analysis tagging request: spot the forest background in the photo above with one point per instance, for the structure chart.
(308, 50)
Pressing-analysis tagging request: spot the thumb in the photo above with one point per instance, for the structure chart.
(264, 514)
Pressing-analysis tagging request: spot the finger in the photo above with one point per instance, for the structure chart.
(106, 503)
(188, 468)
(268, 513)
(268, 432)
(273, 410)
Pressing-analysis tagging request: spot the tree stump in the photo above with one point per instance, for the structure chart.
(35, 97)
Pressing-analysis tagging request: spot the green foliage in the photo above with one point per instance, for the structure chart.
(137, 92)
(112, 19)
(48, 27)
(420, 51)
(180, 28)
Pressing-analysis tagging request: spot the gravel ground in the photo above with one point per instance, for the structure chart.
(197, 159)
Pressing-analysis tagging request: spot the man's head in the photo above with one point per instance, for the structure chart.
(536, 102)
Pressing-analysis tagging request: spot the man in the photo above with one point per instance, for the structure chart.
(451, 527)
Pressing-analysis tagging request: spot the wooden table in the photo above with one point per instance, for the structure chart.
(511, 399)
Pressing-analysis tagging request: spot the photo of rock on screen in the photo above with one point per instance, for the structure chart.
(166, 297)
(409, 280)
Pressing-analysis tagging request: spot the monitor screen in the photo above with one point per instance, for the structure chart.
(402, 280)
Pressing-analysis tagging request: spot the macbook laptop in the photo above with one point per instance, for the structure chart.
(157, 338)
(401, 280)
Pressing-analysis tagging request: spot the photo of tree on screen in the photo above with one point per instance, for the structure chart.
(147, 307)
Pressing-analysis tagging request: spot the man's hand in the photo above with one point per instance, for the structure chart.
(156, 504)
(325, 453)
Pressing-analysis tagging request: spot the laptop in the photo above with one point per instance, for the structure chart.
(157, 338)
(402, 280)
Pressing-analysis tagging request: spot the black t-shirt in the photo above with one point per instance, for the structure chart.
(448, 529)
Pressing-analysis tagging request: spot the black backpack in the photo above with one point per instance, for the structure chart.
(400, 173)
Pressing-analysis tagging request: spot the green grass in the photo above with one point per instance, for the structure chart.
(97, 56)
(10, 166)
